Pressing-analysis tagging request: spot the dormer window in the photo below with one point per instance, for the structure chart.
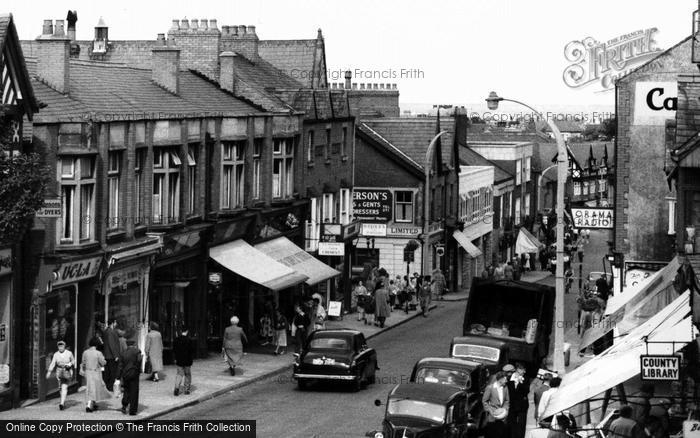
(99, 45)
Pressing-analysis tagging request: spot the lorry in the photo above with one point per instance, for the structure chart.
(517, 313)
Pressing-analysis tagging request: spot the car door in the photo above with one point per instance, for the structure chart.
(362, 352)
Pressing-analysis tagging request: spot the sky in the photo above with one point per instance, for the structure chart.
(438, 52)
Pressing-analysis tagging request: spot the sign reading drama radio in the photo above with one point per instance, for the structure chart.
(660, 367)
(76, 271)
(372, 204)
(592, 217)
(331, 248)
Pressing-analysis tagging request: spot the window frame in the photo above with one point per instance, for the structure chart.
(406, 207)
(192, 152)
(283, 159)
(81, 223)
(232, 175)
(169, 198)
(518, 172)
(114, 167)
(139, 163)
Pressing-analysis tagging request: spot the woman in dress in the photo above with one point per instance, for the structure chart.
(91, 368)
(154, 351)
(64, 364)
(233, 344)
(281, 335)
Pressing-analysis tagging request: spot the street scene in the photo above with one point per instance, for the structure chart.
(372, 219)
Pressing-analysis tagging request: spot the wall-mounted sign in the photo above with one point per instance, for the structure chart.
(331, 229)
(654, 102)
(691, 429)
(76, 271)
(50, 208)
(351, 230)
(592, 217)
(405, 231)
(374, 230)
(331, 249)
(372, 205)
(215, 278)
(660, 367)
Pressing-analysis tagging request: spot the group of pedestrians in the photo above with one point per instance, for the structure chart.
(511, 270)
(506, 403)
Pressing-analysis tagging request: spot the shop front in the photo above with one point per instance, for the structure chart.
(382, 245)
(470, 257)
(179, 284)
(7, 362)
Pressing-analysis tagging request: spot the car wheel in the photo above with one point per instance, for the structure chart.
(302, 383)
(357, 383)
(373, 376)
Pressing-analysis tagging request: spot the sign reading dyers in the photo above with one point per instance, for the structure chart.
(660, 367)
(592, 217)
(372, 205)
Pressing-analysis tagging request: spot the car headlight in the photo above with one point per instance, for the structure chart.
(378, 435)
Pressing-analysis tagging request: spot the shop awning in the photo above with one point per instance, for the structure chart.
(641, 306)
(141, 251)
(526, 242)
(670, 330)
(286, 252)
(246, 261)
(465, 243)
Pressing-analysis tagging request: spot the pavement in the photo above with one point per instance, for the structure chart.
(210, 378)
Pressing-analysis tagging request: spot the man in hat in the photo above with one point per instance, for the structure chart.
(496, 403)
(518, 390)
(129, 367)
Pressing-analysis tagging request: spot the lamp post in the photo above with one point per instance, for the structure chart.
(562, 170)
(539, 186)
(426, 202)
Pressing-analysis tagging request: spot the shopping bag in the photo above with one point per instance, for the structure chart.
(117, 388)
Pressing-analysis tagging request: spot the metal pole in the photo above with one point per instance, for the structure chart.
(426, 203)
(539, 187)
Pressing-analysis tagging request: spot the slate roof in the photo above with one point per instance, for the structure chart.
(255, 81)
(10, 40)
(111, 90)
(296, 58)
(563, 125)
(582, 151)
(390, 148)
(469, 157)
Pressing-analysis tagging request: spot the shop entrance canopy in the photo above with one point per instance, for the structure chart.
(668, 332)
(246, 261)
(526, 242)
(287, 253)
(465, 243)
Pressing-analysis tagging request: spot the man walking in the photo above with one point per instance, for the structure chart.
(424, 295)
(518, 390)
(111, 352)
(183, 350)
(129, 367)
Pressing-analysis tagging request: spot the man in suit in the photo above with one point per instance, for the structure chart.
(129, 368)
(541, 389)
(495, 401)
(111, 352)
(518, 390)
(184, 351)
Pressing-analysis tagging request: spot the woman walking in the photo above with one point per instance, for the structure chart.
(64, 364)
(281, 329)
(233, 344)
(382, 300)
(300, 325)
(91, 368)
(154, 351)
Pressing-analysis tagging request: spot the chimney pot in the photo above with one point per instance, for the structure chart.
(48, 27)
(176, 25)
(319, 35)
(233, 30)
(161, 39)
(225, 30)
(212, 25)
(354, 85)
(394, 86)
(241, 30)
(204, 24)
(59, 30)
(381, 86)
(194, 23)
(362, 86)
(184, 24)
(251, 30)
(348, 79)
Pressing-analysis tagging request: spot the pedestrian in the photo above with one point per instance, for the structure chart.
(393, 293)
(300, 324)
(438, 284)
(588, 305)
(543, 260)
(492, 272)
(424, 295)
(281, 333)
(518, 390)
(354, 293)
(63, 362)
(485, 273)
(499, 272)
(184, 351)
(370, 308)
(233, 344)
(625, 426)
(154, 351)
(541, 389)
(320, 314)
(91, 368)
(640, 403)
(602, 287)
(546, 396)
(361, 300)
(413, 291)
(561, 427)
(508, 271)
(122, 341)
(129, 366)
(266, 328)
(382, 303)
(111, 351)
(517, 269)
(496, 404)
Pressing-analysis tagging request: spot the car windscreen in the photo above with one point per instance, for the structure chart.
(328, 343)
(445, 376)
(417, 409)
(479, 352)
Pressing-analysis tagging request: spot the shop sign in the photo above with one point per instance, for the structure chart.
(592, 217)
(76, 271)
(351, 230)
(331, 229)
(375, 230)
(406, 231)
(124, 276)
(660, 367)
(331, 249)
(372, 204)
(50, 208)
(334, 308)
(215, 278)
(691, 429)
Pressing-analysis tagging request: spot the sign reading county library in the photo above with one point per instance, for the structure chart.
(372, 205)
(660, 367)
(592, 217)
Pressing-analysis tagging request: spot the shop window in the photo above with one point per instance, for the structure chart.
(60, 316)
(166, 186)
(191, 179)
(233, 175)
(113, 180)
(283, 168)
(77, 178)
(257, 154)
(124, 305)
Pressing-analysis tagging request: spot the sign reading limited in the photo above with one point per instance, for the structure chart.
(660, 367)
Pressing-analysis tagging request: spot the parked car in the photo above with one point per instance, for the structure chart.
(424, 410)
(339, 355)
(467, 375)
(493, 353)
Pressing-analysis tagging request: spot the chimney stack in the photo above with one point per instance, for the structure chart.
(160, 41)
(52, 56)
(227, 72)
(71, 18)
(204, 24)
(166, 68)
(242, 40)
(348, 79)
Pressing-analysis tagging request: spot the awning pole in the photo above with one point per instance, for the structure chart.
(606, 400)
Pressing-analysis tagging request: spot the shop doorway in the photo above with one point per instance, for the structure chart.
(168, 308)
(60, 314)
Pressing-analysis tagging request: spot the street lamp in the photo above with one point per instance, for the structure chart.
(562, 170)
(539, 186)
(426, 202)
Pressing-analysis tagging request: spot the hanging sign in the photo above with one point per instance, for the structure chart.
(660, 367)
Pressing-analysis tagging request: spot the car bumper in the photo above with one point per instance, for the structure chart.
(324, 376)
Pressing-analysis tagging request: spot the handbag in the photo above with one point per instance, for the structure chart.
(64, 373)
(148, 369)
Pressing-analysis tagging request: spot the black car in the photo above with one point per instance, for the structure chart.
(340, 355)
(425, 410)
(467, 375)
(492, 352)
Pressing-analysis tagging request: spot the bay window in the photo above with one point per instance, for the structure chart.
(232, 180)
(166, 186)
(77, 179)
(283, 168)
(403, 206)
